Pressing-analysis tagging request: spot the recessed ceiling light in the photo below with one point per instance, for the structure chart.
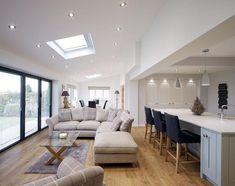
(93, 76)
(71, 14)
(116, 44)
(190, 81)
(118, 29)
(12, 27)
(53, 57)
(38, 46)
(123, 4)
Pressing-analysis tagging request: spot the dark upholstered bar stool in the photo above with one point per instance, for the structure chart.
(175, 134)
(160, 125)
(149, 122)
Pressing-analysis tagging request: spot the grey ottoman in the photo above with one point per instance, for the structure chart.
(115, 147)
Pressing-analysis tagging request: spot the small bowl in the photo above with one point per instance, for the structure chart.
(63, 135)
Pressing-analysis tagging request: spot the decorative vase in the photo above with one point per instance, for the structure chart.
(197, 107)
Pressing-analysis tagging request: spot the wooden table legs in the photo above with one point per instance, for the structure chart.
(55, 154)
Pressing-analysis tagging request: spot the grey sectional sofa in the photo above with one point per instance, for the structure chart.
(89, 121)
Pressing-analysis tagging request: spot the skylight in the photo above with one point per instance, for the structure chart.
(72, 43)
(72, 47)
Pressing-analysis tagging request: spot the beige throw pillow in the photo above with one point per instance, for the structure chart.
(89, 113)
(101, 114)
(116, 124)
(65, 116)
(127, 121)
(77, 114)
(112, 114)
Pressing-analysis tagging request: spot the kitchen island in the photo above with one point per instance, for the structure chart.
(217, 145)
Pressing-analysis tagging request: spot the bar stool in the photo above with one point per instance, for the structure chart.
(160, 125)
(149, 122)
(178, 136)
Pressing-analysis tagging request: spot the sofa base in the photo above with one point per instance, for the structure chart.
(114, 158)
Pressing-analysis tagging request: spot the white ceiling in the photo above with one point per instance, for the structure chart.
(191, 60)
(39, 21)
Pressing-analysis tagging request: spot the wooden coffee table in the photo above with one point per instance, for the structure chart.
(56, 146)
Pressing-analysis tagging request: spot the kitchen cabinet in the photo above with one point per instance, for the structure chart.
(209, 154)
(166, 95)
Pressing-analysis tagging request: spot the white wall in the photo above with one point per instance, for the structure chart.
(112, 82)
(221, 77)
(177, 24)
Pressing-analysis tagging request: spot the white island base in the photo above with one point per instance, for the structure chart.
(217, 145)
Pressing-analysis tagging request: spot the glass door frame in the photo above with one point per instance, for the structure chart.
(23, 76)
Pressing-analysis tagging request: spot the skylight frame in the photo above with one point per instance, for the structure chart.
(74, 52)
(71, 48)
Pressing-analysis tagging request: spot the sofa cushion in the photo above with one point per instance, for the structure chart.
(89, 113)
(116, 124)
(115, 142)
(68, 166)
(104, 127)
(67, 125)
(112, 114)
(77, 114)
(101, 114)
(42, 181)
(127, 121)
(88, 125)
(65, 116)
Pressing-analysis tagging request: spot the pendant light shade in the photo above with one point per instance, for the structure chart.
(205, 79)
(205, 75)
(177, 83)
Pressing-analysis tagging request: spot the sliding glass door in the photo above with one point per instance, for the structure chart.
(25, 104)
(31, 106)
(10, 101)
(45, 102)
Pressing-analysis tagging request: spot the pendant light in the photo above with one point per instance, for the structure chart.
(205, 76)
(177, 83)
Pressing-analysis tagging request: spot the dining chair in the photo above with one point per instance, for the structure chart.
(105, 103)
(92, 104)
(82, 103)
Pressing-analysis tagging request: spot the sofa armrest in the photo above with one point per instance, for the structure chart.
(51, 122)
(86, 177)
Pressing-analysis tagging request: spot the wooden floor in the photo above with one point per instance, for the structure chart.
(151, 170)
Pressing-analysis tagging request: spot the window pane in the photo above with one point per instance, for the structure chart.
(31, 106)
(99, 94)
(45, 103)
(106, 95)
(10, 92)
(92, 94)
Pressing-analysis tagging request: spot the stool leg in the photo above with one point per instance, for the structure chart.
(178, 146)
(146, 130)
(186, 151)
(161, 142)
(154, 140)
(150, 138)
(167, 147)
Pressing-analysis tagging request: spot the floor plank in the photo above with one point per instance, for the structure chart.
(151, 169)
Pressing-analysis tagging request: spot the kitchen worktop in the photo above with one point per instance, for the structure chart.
(206, 120)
